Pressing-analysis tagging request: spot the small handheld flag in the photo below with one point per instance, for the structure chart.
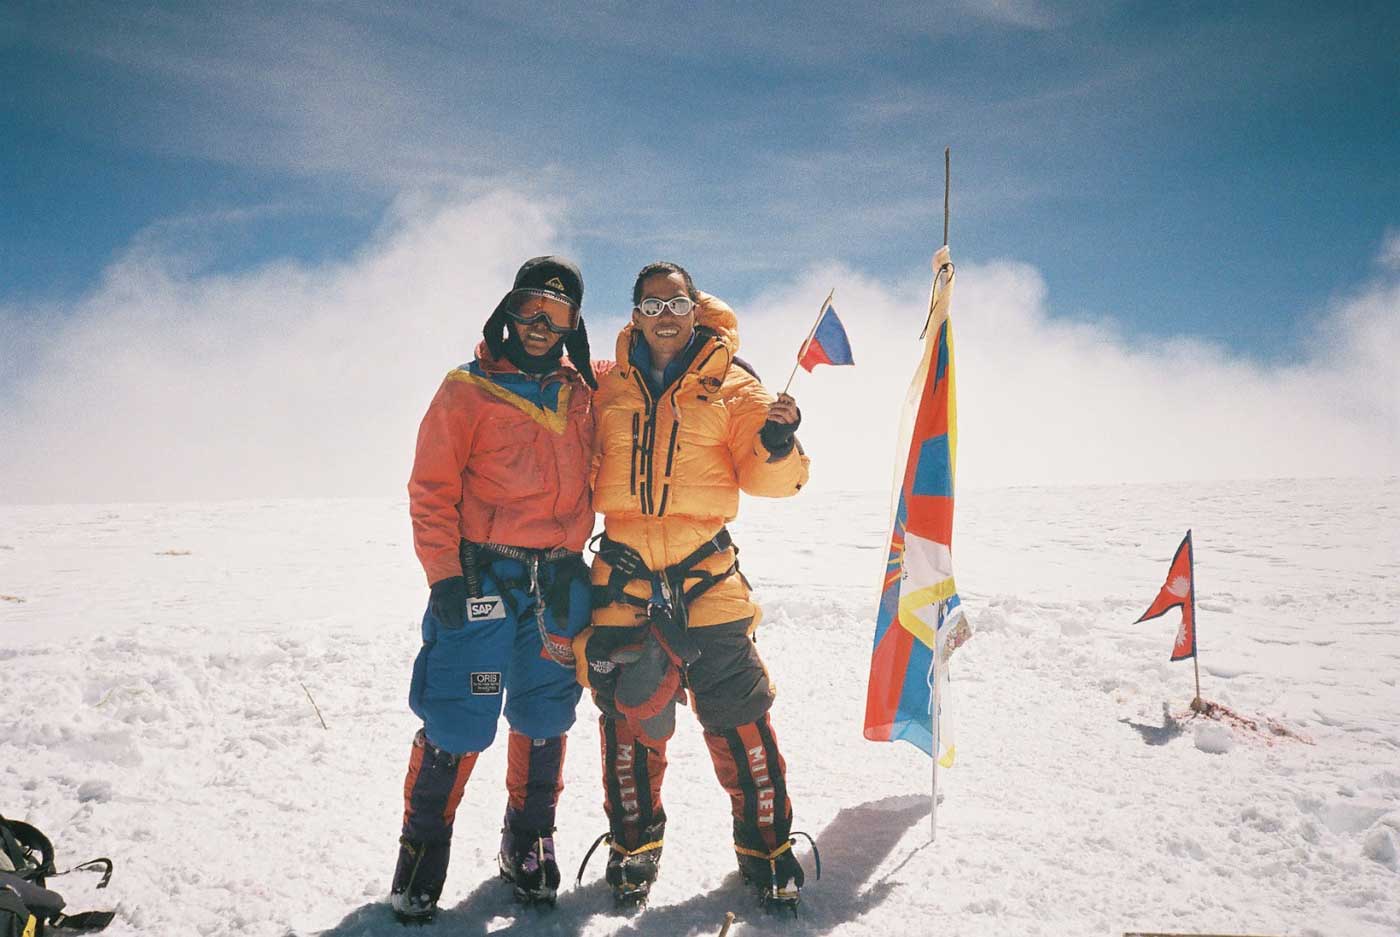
(1179, 591)
(828, 344)
(825, 344)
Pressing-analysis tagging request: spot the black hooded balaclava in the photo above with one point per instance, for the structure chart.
(551, 275)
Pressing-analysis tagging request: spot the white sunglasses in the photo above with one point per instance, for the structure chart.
(676, 306)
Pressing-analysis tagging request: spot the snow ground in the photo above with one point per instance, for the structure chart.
(153, 658)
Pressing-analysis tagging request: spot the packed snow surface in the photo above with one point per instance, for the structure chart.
(159, 663)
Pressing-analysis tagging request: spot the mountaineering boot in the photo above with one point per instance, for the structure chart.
(418, 880)
(534, 780)
(751, 769)
(432, 789)
(631, 872)
(527, 861)
(632, 775)
(776, 876)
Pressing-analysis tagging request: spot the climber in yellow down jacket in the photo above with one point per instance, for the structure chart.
(682, 426)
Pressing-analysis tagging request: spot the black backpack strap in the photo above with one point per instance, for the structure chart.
(10, 846)
(87, 922)
(101, 863)
(20, 842)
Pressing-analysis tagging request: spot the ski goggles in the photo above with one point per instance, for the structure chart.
(549, 318)
(677, 306)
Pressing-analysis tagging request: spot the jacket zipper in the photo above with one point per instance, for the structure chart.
(636, 448)
(648, 438)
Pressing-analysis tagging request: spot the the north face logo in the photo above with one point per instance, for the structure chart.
(486, 608)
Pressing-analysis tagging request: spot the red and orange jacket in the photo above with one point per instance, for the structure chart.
(502, 457)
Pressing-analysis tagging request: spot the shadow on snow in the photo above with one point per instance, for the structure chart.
(855, 843)
(1170, 728)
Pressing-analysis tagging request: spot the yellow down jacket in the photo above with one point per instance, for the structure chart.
(667, 473)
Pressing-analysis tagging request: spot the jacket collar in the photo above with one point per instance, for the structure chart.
(708, 356)
(490, 364)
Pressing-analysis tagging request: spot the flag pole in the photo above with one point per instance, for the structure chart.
(1196, 703)
(947, 179)
(937, 702)
(802, 349)
(937, 744)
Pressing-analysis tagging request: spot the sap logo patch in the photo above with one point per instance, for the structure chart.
(486, 608)
(486, 684)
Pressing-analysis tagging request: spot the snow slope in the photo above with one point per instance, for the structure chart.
(154, 656)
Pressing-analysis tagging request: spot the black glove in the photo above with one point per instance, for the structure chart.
(601, 649)
(777, 437)
(448, 601)
(567, 570)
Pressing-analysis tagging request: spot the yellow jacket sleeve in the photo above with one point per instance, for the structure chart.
(758, 472)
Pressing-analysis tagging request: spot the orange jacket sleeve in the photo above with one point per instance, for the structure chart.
(435, 487)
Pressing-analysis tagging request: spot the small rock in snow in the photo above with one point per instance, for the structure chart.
(1380, 847)
(1214, 739)
(100, 791)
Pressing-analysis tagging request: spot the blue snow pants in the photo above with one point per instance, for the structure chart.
(463, 676)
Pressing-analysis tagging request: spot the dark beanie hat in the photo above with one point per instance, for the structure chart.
(551, 274)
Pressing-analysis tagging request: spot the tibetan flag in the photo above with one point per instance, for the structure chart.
(920, 621)
(1179, 592)
(827, 344)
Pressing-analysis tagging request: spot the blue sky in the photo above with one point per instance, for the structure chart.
(240, 243)
(1210, 170)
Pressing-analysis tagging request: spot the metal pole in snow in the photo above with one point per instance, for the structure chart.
(937, 701)
(937, 744)
(1196, 704)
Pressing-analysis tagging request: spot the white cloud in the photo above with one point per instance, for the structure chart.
(298, 379)
(1043, 401)
(286, 380)
(1389, 257)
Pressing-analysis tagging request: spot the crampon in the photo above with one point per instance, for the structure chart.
(777, 877)
(630, 873)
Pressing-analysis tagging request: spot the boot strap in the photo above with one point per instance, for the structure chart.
(759, 854)
(612, 844)
(645, 847)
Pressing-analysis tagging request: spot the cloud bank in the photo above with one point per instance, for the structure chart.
(168, 383)
(287, 380)
(1045, 401)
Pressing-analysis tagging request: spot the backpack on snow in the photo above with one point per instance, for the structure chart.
(26, 905)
